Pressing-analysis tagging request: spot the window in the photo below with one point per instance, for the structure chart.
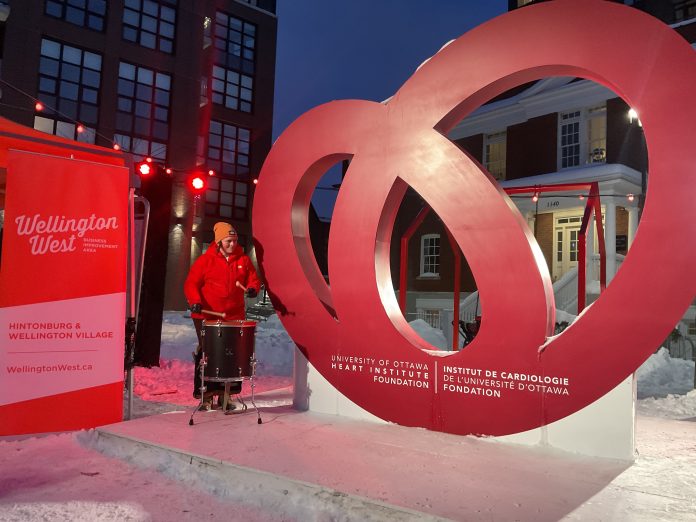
(141, 147)
(235, 43)
(266, 5)
(207, 32)
(228, 154)
(597, 135)
(64, 129)
(85, 13)
(228, 149)
(143, 103)
(232, 89)
(570, 139)
(684, 10)
(430, 255)
(494, 150)
(227, 198)
(233, 82)
(150, 23)
(69, 81)
(582, 137)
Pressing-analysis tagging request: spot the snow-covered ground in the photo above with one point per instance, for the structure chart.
(53, 477)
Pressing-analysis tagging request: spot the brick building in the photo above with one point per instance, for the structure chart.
(552, 131)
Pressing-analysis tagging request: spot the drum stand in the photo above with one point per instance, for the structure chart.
(226, 396)
(202, 389)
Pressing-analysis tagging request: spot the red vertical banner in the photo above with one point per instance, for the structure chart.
(62, 294)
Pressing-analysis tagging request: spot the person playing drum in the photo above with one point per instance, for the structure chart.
(218, 281)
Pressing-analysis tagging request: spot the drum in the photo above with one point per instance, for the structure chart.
(229, 349)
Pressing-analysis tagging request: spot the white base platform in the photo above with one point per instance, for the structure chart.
(606, 428)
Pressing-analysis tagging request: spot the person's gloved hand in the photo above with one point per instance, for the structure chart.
(251, 292)
(196, 308)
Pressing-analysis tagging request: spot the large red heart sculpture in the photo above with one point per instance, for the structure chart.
(354, 333)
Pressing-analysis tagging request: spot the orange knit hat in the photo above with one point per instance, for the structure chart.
(223, 230)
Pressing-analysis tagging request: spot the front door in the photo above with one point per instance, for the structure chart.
(566, 234)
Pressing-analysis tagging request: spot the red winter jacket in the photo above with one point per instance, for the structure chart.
(212, 282)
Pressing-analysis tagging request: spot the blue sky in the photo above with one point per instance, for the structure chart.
(364, 49)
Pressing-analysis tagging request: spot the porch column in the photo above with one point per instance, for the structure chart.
(591, 273)
(530, 221)
(610, 237)
(632, 224)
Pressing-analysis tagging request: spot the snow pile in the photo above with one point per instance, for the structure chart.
(171, 382)
(662, 375)
(274, 348)
(429, 334)
(564, 317)
(670, 407)
(178, 336)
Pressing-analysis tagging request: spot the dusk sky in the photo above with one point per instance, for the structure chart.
(364, 49)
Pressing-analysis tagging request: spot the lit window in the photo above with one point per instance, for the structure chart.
(64, 129)
(207, 32)
(597, 134)
(494, 152)
(430, 255)
(582, 137)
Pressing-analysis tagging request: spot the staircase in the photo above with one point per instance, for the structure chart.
(565, 291)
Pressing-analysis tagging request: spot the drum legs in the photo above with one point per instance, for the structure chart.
(226, 397)
(201, 368)
(252, 382)
(253, 385)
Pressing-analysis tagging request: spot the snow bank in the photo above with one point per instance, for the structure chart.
(274, 348)
(662, 375)
(429, 334)
(670, 407)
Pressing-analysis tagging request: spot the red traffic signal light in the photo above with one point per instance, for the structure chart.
(197, 183)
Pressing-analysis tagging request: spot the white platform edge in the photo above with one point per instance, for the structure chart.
(299, 500)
